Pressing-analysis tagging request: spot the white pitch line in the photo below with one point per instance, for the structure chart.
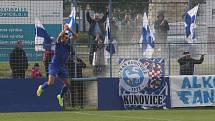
(126, 117)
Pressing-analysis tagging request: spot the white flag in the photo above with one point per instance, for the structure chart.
(147, 38)
(42, 38)
(189, 22)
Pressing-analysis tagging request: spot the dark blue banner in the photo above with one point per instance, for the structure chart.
(109, 96)
(19, 95)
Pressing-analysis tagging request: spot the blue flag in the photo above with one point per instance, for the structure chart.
(147, 38)
(189, 22)
(109, 46)
(42, 38)
(71, 20)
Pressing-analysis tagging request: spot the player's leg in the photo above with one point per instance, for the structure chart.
(65, 87)
(63, 91)
(45, 85)
(66, 83)
(46, 64)
(52, 72)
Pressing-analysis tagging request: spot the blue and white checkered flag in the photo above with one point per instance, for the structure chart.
(189, 22)
(109, 46)
(71, 21)
(42, 38)
(147, 38)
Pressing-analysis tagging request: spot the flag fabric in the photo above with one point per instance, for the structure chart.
(71, 21)
(109, 46)
(42, 38)
(147, 38)
(189, 22)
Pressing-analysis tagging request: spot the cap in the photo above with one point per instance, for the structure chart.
(186, 53)
(160, 13)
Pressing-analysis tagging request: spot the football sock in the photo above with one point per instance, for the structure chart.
(63, 91)
(45, 85)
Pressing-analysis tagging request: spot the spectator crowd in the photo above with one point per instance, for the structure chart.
(130, 30)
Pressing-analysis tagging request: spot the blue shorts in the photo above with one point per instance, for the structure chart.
(58, 71)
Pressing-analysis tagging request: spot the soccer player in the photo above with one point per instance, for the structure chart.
(57, 67)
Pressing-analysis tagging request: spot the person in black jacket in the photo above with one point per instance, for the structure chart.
(161, 27)
(79, 67)
(187, 63)
(18, 61)
(96, 29)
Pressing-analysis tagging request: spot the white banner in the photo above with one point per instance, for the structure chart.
(191, 91)
(17, 22)
(25, 12)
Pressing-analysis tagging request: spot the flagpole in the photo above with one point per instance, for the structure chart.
(73, 4)
(190, 4)
(169, 62)
(111, 39)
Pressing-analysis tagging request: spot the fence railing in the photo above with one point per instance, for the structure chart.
(170, 52)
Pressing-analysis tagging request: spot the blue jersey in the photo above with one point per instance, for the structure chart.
(61, 54)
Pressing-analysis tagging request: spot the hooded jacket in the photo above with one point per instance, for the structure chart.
(187, 65)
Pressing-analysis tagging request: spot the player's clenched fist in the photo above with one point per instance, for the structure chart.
(66, 27)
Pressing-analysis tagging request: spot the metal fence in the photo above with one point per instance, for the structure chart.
(126, 22)
(126, 33)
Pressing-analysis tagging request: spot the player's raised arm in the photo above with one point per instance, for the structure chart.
(74, 36)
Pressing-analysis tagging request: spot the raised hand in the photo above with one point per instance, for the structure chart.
(65, 27)
(162, 22)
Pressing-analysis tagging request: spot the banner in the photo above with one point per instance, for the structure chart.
(191, 91)
(19, 95)
(142, 83)
(17, 22)
(109, 100)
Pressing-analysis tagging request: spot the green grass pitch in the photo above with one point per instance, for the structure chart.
(127, 115)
